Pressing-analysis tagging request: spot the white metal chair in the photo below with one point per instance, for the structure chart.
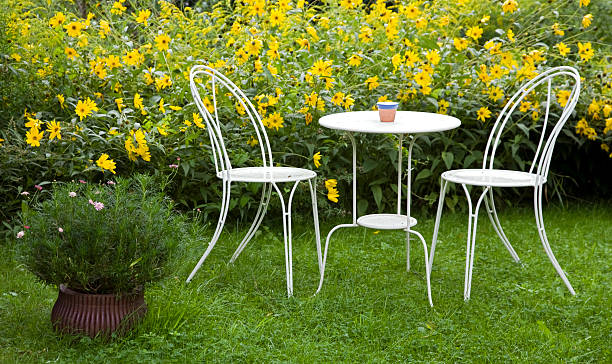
(489, 177)
(208, 79)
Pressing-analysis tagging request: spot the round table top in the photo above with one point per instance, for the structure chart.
(406, 122)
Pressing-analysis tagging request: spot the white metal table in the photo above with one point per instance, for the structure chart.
(409, 123)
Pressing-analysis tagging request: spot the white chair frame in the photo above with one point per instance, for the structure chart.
(541, 159)
(267, 174)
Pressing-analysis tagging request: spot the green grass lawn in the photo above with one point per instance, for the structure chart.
(370, 308)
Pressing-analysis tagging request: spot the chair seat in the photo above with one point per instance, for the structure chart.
(267, 174)
(493, 177)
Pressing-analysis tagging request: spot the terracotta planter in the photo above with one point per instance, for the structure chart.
(93, 314)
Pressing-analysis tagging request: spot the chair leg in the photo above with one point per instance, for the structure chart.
(261, 212)
(220, 223)
(443, 185)
(287, 236)
(315, 215)
(408, 247)
(537, 201)
(471, 240)
(492, 212)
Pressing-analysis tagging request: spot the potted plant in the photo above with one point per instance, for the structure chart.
(100, 244)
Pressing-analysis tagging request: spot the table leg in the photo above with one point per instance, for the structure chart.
(352, 138)
(354, 224)
(408, 200)
(399, 175)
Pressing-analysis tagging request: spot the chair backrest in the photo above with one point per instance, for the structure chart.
(209, 79)
(545, 147)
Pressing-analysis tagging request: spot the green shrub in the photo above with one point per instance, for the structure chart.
(101, 238)
(300, 62)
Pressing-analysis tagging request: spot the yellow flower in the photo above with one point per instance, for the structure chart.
(33, 123)
(308, 118)
(348, 102)
(163, 82)
(304, 43)
(460, 43)
(366, 34)
(104, 163)
(582, 3)
(563, 49)
(312, 32)
(483, 113)
(562, 97)
(70, 53)
(1, 140)
(161, 107)
(495, 93)
(317, 159)
(608, 125)
(510, 35)
(253, 46)
(557, 29)
(113, 62)
(275, 121)
(85, 108)
(338, 98)
(585, 51)
(433, 56)
(586, 20)
(34, 136)
(474, 32)
(423, 79)
(331, 183)
(197, 120)
(257, 7)
(143, 16)
(104, 29)
(421, 23)
(372, 82)
(74, 29)
(443, 107)
(311, 100)
(277, 17)
(354, 60)
(61, 99)
(509, 6)
(593, 107)
(321, 68)
(118, 7)
(133, 58)
(525, 106)
(138, 104)
(119, 103)
(162, 42)
(54, 129)
(57, 20)
(332, 194)
(411, 11)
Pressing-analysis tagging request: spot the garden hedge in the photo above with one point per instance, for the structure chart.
(91, 90)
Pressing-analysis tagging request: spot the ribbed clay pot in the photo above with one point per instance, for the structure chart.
(93, 314)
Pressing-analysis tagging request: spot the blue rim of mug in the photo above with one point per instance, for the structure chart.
(387, 105)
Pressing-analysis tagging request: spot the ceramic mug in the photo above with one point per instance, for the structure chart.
(386, 110)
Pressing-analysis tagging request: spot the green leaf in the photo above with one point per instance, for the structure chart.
(423, 174)
(448, 158)
(377, 192)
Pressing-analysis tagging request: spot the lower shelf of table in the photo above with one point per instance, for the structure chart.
(386, 221)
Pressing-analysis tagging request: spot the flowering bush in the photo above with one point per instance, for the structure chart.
(109, 238)
(112, 91)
